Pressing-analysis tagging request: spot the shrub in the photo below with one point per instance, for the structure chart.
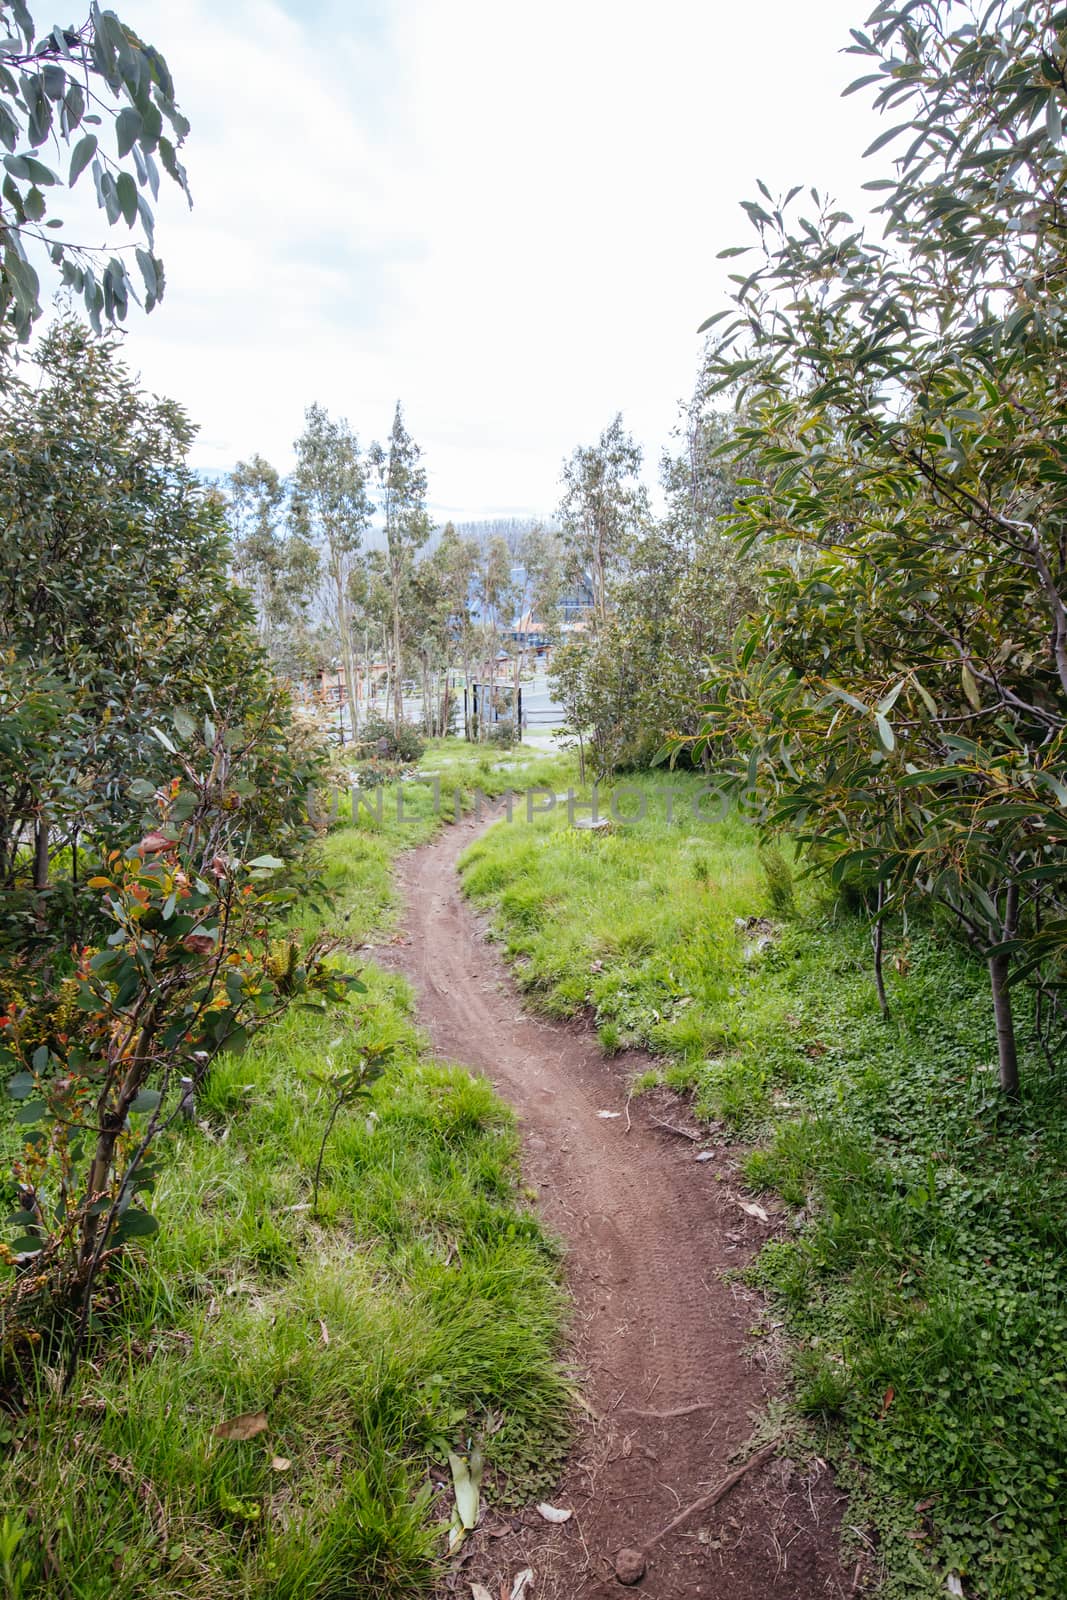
(379, 739)
(779, 878)
(102, 1065)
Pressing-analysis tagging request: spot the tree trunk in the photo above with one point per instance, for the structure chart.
(515, 686)
(398, 687)
(999, 970)
(40, 854)
(446, 702)
(345, 638)
(1006, 1052)
(112, 1120)
(387, 662)
(876, 939)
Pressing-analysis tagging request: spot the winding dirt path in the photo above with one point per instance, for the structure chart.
(673, 1374)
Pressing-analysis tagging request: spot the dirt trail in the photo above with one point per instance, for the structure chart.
(663, 1348)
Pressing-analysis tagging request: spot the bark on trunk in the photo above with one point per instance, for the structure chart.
(876, 937)
(398, 687)
(111, 1123)
(347, 667)
(1006, 1052)
(40, 854)
(999, 970)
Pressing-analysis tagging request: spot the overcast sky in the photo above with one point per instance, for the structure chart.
(507, 217)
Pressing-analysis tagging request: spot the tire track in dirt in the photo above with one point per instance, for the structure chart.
(663, 1348)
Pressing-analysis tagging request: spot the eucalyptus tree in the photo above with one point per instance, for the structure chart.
(436, 623)
(280, 569)
(603, 508)
(491, 593)
(402, 488)
(59, 88)
(330, 510)
(903, 702)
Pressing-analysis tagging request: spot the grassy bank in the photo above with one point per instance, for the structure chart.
(924, 1283)
(417, 1310)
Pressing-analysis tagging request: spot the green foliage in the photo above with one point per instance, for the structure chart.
(779, 878)
(188, 969)
(610, 1037)
(402, 487)
(385, 740)
(15, 1570)
(902, 702)
(604, 506)
(926, 1289)
(421, 1308)
(330, 511)
(677, 589)
(279, 566)
(55, 86)
(118, 617)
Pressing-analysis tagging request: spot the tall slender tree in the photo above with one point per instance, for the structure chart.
(604, 505)
(332, 510)
(402, 485)
(279, 569)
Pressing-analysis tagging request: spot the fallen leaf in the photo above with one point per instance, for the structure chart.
(887, 1400)
(246, 1426)
(324, 1331)
(554, 1513)
(480, 1592)
(522, 1583)
(706, 1155)
(754, 1210)
(607, 1114)
(280, 1463)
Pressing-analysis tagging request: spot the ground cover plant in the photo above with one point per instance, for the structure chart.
(921, 1274)
(274, 1386)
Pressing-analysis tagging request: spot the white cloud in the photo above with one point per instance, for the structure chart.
(508, 217)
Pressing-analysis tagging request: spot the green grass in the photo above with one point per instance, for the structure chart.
(419, 1310)
(924, 1283)
(635, 923)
